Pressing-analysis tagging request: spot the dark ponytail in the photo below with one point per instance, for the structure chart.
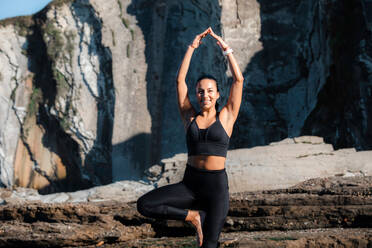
(208, 76)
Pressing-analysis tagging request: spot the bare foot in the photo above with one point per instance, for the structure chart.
(193, 217)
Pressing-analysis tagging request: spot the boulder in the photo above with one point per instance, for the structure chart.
(280, 164)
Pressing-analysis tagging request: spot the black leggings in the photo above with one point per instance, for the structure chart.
(200, 189)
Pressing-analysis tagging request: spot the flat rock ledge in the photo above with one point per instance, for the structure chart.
(276, 166)
(324, 212)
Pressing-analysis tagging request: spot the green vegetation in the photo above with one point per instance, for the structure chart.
(59, 3)
(128, 51)
(132, 33)
(35, 99)
(62, 84)
(65, 123)
(55, 43)
(58, 46)
(121, 7)
(70, 36)
(22, 29)
(124, 20)
(24, 52)
(22, 24)
(113, 37)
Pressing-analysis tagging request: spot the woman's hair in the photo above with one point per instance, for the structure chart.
(207, 76)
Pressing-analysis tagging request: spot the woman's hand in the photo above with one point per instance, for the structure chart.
(220, 41)
(197, 41)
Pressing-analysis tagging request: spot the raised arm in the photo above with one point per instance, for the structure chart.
(184, 104)
(236, 91)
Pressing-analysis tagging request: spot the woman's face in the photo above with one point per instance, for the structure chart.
(206, 93)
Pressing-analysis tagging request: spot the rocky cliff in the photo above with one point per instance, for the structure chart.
(88, 94)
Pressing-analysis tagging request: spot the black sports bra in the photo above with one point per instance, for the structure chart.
(208, 141)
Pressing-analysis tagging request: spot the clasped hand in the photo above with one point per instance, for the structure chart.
(198, 39)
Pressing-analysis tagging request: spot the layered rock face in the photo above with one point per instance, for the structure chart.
(63, 83)
(343, 111)
(88, 91)
(311, 75)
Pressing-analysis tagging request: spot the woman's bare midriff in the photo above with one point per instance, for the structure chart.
(207, 162)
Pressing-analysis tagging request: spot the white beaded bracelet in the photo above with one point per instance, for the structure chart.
(229, 50)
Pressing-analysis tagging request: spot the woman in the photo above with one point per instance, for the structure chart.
(202, 197)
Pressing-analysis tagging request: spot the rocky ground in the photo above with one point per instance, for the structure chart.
(331, 237)
(327, 212)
